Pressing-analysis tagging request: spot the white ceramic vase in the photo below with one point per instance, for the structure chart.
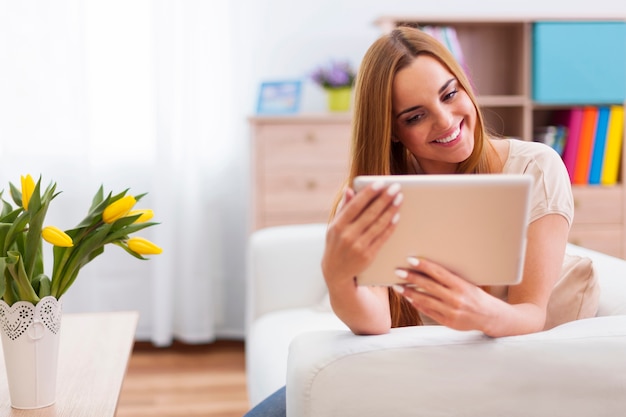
(30, 344)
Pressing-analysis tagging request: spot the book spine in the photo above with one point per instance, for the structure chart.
(572, 120)
(614, 139)
(585, 145)
(599, 145)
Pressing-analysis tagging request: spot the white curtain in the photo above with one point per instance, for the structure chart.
(135, 94)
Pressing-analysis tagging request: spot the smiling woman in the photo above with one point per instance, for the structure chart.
(426, 120)
(415, 113)
(438, 130)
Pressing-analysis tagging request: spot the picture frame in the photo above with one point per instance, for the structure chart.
(279, 97)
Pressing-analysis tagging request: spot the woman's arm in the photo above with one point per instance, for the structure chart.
(528, 301)
(362, 224)
(458, 304)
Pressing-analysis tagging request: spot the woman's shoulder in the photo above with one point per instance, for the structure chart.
(552, 192)
(523, 154)
(526, 147)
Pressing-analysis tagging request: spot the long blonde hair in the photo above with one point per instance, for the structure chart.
(372, 150)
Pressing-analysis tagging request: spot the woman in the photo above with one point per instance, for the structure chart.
(415, 113)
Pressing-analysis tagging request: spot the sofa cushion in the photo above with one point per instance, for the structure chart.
(576, 294)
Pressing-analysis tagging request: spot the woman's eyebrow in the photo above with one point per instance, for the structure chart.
(447, 83)
(441, 90)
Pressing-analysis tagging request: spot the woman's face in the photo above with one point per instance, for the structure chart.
(433, 116)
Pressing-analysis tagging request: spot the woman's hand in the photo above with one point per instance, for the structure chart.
(450, 300)
(363, 222)
(447, 298)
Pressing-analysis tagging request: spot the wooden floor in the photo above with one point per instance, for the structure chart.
(185, 381)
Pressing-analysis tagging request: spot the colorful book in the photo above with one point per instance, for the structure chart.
(613, 152)
(571, 119)
(585, 144)
(599, 144)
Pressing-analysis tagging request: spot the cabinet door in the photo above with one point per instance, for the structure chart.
(300, 171)
(598, 219)
(598, 205)
(602, 238)
(579, 62)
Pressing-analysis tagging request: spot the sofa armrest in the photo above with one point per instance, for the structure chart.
(576, 369)
(283, 268)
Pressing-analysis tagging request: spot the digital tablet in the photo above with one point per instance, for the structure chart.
(474, 225)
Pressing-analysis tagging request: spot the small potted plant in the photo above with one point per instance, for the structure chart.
(337, 79)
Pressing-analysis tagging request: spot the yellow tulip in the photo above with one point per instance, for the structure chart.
(118, 209)
(56, 236)
(146, 214)
(28, 186)
(143, 246)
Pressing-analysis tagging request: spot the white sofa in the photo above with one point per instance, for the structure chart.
(576, 369)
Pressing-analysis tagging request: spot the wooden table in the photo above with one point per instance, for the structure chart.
(93, 355)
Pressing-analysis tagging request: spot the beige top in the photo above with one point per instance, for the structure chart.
(551, 192)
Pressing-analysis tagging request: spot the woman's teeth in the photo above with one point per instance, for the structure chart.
(450, 137)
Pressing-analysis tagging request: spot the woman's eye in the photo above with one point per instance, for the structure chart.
(450, 95)
(413, 119)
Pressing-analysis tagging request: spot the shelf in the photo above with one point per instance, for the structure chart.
(503, 101)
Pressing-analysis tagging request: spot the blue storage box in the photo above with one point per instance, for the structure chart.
(579, 62)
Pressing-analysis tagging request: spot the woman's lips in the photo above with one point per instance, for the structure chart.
(450, 138)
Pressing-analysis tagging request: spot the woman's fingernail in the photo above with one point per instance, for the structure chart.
(413, 261)
(398, 288)
(395, 218)
(401, 273)
(393, 188)
(377, 185)
(398, 199)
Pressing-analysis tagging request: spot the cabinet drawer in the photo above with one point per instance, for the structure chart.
(606, 238)
(306, 190)
(598, 205)
(278, 219)
(302, 145)
(300, 165)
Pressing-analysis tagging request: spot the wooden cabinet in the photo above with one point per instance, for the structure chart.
(299, 166)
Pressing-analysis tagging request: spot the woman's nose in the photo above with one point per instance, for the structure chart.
(443, 117)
